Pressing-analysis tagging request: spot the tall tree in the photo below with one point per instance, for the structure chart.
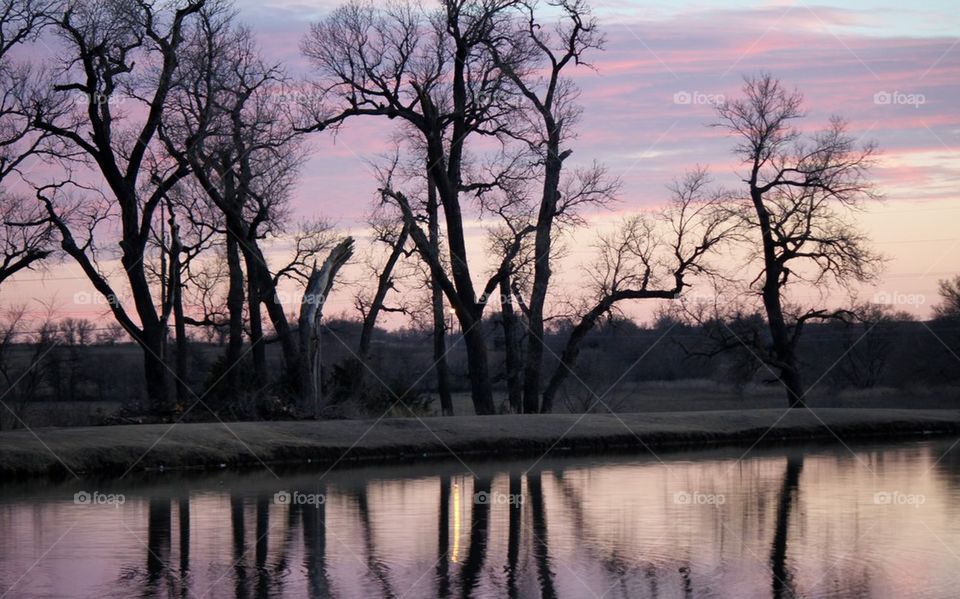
(433, 70)
(535, 58)
(799, 190)
(236, 133)
(112, 54)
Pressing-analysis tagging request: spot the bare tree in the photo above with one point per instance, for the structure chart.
(651, 256)
(535, 58)
(501, 242)
(949, 307)
(318, 289)
(867, 339)
(25, 232)
(799, 189)
(181, 244)
(75, 331)
(433, 70)
(394, 235)
(235, 133)
(113, 53)
(22, 380)
(110, 334)
(21, 21)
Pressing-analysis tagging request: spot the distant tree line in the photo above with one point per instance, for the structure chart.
(62, 380)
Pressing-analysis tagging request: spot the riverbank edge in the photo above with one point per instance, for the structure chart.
(130, 448)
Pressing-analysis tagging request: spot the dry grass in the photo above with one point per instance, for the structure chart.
(117, 449)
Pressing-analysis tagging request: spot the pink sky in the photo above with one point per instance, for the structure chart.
(840, 58)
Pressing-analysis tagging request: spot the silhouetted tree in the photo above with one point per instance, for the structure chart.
(236, 134)
(949, 306)
(431, 69)
(535, 58)
(112, 53)
(798, 190)
(650, 256)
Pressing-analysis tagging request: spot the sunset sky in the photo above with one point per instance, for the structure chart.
(891, 68)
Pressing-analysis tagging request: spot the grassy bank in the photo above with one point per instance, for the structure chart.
(118, 449)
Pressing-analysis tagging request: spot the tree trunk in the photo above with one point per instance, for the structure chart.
(311, 312)
(571, 352)
(384, 284)
(793, 381)
(155, 371)
(783, 351)
(470, 312)
(774, 273)
(254, 312)
(476, 345)
(261, 282)
(436, 303)
(182, 368)
(235, 311)
(440, 351)
(541, 275)
(180, 327)
(152, 334)
(511, 343)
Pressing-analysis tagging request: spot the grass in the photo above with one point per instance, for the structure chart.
(119, 449)
(706, 395)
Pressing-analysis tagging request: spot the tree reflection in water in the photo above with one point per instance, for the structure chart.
(790, 525)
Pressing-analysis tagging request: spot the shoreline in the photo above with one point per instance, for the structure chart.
(215, 446)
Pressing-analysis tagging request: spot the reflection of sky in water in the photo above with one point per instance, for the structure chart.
(710, 526)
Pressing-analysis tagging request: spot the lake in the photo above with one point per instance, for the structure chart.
(869, 520)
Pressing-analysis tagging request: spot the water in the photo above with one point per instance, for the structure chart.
(877, 521)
